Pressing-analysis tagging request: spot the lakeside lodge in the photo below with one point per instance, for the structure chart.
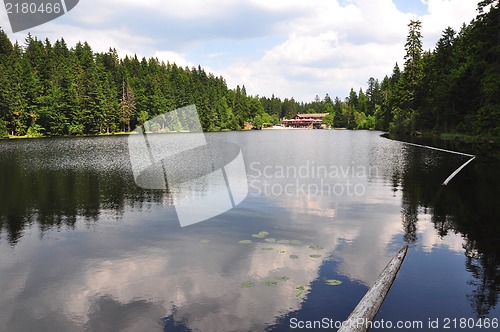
(313, 121)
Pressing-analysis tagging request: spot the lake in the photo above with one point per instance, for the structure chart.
(83, 248)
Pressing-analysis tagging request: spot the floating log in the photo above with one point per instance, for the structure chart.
(362, 316)
(455, 152)
(438, 149)
(445, 183)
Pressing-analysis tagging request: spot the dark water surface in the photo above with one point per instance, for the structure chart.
(82, 248)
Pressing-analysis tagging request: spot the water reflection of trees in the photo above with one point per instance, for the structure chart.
(58, 198)
(468, 205)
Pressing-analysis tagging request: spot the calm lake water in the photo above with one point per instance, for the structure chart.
(82, 248)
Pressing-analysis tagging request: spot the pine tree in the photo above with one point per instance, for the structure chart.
(405, 108)
(127, 106)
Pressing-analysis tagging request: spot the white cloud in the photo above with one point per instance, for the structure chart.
(331, 48)
(173, 57)
(328, 49)
(444, 13)
(188, 9)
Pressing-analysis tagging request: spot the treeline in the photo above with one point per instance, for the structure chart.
(55, 90)
(51, 90)
(453, 88)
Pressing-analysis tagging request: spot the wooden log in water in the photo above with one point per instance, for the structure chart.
(438, 149)
(445, 183)
(359, 320)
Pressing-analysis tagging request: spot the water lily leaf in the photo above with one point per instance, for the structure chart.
(333, 282)
(245, 241)
(284, 241)
(281, 251)
(271, 282)
(315, 247)
(282, 278)
(270, 240)
(315, 256)
(294, 256)
(268, 249)
(261, 235)
(247, 284)
(297, 242)
(301, 290)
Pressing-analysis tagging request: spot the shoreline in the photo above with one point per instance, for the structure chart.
(447, 137)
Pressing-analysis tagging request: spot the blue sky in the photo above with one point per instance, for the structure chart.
(290, 48)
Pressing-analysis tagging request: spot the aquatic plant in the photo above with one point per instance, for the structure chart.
(261, 235)
(282, 278)
(333, 282)
(247, 284)
(270, 282)
(301, 290)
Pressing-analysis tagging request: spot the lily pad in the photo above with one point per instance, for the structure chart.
(282, 278)
(301, 290)
(270, 240)
(333, 282)
(247, 284)
(205, 241)
(268, 249)
(270, 282)
(296, 242)
(283, 241)
(294, 256)
(245, 241)
(261, 235)
(315, 256)
(315, 247)
(281, 251)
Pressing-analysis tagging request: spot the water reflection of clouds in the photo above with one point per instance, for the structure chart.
(141, 284)
(202, 281)
(367, 226)
(429, 239)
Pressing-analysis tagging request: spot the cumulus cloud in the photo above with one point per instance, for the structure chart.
(329, 49)
(332, 47)
(173, 57)
(444, 13)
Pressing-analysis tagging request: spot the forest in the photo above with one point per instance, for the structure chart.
(52, 89)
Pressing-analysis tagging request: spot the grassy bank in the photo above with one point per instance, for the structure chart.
(68, 136)
(466, 138)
